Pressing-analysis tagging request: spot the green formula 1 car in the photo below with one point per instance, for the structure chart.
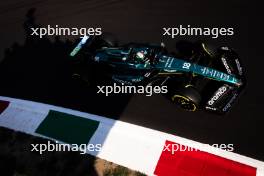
(200, 77)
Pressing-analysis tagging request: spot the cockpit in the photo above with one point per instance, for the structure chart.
(130, 55)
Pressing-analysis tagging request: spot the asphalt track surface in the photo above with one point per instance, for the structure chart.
(38, 72)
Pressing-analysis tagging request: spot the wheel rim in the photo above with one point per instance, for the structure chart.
(184, 102)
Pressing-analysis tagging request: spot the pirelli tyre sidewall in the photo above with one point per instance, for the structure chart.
(187, 98)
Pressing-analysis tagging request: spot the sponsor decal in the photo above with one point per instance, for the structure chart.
(121, 81)
(225, 48)
(170, 71)
(217, 95)
(240, 70)
(228, 105)
(210, 108)
(169, 62)
(136, 80)
(226, 65)
(147, 74)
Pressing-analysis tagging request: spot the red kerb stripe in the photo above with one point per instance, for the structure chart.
(193, 162)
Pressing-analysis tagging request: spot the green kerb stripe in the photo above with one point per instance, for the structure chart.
(67, 128)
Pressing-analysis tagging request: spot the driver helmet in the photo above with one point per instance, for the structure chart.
(140, 56)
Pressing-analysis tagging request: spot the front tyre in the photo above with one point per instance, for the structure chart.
(187, 98)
